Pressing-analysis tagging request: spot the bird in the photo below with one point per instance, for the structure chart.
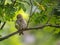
(20, 24)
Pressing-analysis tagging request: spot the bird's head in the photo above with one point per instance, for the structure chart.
(19, 16)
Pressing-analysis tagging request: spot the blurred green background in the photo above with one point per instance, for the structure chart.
(41, 11)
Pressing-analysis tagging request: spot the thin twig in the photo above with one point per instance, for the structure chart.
(3, 25)
(30, 12)
(30, 17)
(49, 17)
(0, 22)
(40, 27)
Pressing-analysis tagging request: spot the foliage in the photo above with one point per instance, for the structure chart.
(40, 12)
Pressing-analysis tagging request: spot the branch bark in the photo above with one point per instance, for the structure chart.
(40, 27)
(30, 12)
(3, 25)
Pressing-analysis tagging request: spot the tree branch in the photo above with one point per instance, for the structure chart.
(57, 26)
(40, 27)
(3, 25)
(30, 12)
